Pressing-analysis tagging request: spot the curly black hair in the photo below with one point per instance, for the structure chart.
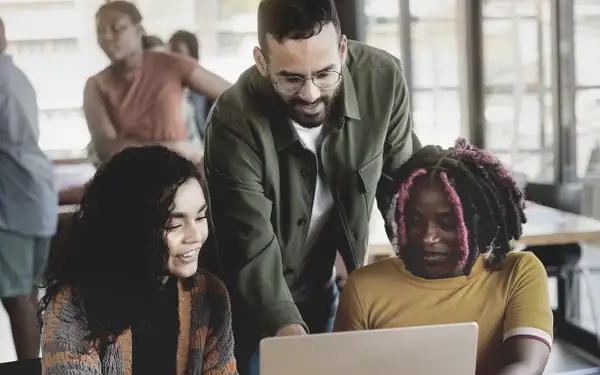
(491, 203)
(114, 255)
(294, 19)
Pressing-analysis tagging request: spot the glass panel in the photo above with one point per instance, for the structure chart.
(587, 108)
(518, 103)
(587, 95)
(589, 299)
(519, 132)
(434, 46)
(436, 116)
(505, 8)
(435, 53)
(227, 32)
(502, 55)
(434, 43)
(382, 29)
(587, 35)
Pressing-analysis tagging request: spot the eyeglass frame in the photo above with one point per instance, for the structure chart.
(304, 80)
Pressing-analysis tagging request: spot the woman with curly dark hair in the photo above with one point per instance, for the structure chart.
(456, 212)
(124, 295)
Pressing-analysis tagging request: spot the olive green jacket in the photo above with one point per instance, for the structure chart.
(262, 180)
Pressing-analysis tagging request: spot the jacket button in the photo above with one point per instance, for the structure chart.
(303, 172)
(302, 221)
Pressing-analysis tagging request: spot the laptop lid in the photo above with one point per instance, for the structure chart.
(428, 350)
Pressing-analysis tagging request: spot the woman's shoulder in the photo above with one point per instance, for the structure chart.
(103, 80)
(64, 312)
(522, 261)
(522, 265)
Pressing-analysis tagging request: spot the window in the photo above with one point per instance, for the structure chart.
(435, 71)
(587, 76)
(227, 32)
(434, 52)
(382, 25)
(518, 102)
(54, 43)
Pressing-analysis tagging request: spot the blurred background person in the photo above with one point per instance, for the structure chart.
(186, 43)
(138, 98)
(28, 204)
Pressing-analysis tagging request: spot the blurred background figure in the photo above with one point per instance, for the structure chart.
(138, 98)
(186, 43)
(28, 204)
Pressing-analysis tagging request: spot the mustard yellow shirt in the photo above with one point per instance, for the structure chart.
(512, 301)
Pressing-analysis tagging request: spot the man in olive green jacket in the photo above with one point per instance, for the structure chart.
(297, 151)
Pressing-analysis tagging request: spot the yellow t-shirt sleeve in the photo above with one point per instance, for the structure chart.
(529, 313)
(351, 314)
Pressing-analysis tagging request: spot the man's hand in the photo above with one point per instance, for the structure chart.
(291, 330)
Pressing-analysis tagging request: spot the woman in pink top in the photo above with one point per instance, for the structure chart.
(137, 99)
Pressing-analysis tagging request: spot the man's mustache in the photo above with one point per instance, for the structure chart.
(298, 101)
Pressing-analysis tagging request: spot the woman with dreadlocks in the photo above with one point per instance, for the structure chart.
(456, 213)
(125, 296)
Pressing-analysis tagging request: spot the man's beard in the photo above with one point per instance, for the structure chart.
(330, 102)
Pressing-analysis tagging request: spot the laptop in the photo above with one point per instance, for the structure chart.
(429, 350)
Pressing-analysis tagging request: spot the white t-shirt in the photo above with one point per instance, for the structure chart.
(312, 138)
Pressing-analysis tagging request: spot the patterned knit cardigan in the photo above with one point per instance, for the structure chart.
(205, 341)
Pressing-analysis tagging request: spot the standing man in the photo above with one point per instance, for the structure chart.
(28, 204)
(296, 153)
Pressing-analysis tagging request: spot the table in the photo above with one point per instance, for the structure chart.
(545, 226)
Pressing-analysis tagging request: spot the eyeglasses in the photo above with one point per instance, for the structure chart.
(293, 84)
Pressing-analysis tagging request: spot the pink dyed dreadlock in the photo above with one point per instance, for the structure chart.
(487, 202)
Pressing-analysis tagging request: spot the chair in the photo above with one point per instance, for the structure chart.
(27, 367)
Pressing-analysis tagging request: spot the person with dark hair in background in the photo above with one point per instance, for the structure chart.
(456, 213)
(124, 295)
(138, 99)
(187, 44)
(28, 204)
(317, 128)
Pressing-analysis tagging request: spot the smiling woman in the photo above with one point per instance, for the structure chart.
(127, 280)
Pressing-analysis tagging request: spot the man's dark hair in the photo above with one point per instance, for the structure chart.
(489, 204)
(115, 253)
(294, 19)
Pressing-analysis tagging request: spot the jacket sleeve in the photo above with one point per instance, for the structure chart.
(248, 250)
(65, 351)
(401, 142)
(218, 353)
